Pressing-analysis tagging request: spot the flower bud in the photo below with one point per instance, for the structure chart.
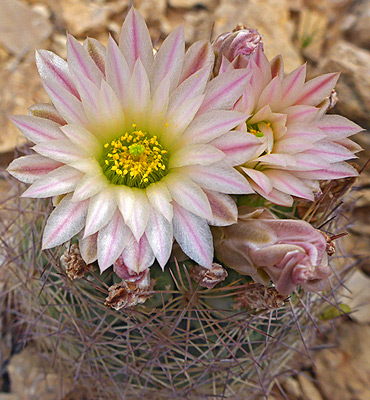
(236, 47)
(288, 252)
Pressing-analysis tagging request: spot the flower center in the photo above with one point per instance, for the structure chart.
(255, 130)
(135, 159)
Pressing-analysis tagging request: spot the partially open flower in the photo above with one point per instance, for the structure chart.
(288, 252)
(293, 144)
(236, 47)
(127, 142)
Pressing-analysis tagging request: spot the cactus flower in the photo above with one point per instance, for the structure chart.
(125, 149)
(288, 252)
(293, 143)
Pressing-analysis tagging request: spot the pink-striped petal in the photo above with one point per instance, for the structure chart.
(301, 114)
(337, 127)
(137, 256)
(101, 209)
(188, 195)
(239, 147)
(169, 59)
(330, 151)
(292, 85)
(46, 111)
(159, 233)
(288, 183)
(193, 235)
(139, 216)
(190, 88)
(83, 139)
(59, 181)
(89, 94)
(28, 169)
(36, 129)
(218, 177)
(80, 63)
(315, 90)
(89, 186)
(260, 179)
(202, 154)
(97, 52)
(275, 196)
(60, 150)
(117, 71)
(88, 247)
(53, 68)
(112, 239)
(199, 56)
(224, 209)
(139, 92)
(224, 90)
(160, 198)
(335, 171)
(65, 221)
(68, 106)
(135, 42)
(211, 125)
(305, 161)
(271, 95)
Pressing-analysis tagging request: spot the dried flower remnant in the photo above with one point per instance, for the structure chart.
(287, 252)
(236, 47)
(292, 143)
(127, 141)
(128, 294)
(208, 278)
(257, 296)
(75, 265)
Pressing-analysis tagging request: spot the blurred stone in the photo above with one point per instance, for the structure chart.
(359, 297)
(344, 372)
(270, 18)
(8, 396)
(358, 24)
(32, 379)
(309, 390)
(197, 26)
(354, 84)
(292, 388)
(80, 17)
(21, 87)
(209, 4)
(21, 28)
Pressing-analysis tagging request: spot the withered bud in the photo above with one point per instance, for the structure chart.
(257, 296)
(75, 265)
(208, 278)
(333, 99)
(128, 294)
(330, 245)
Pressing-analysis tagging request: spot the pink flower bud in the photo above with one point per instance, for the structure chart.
(236, 47)
(288, 252)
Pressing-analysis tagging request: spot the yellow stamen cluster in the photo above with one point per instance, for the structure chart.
(253, 129)
(135, 159)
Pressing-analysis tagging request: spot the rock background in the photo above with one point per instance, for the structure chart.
(331, 35)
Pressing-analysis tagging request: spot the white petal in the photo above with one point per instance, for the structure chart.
(160, 198)
(139, 216)
(138, 92)
(82, 138)
(193, 235)
(60, 150)
(125, 199)
(101, 209)
(202, 154)
(112, 239)
(224, 209)
(159, 233)
(64, 222)
(89, 186)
